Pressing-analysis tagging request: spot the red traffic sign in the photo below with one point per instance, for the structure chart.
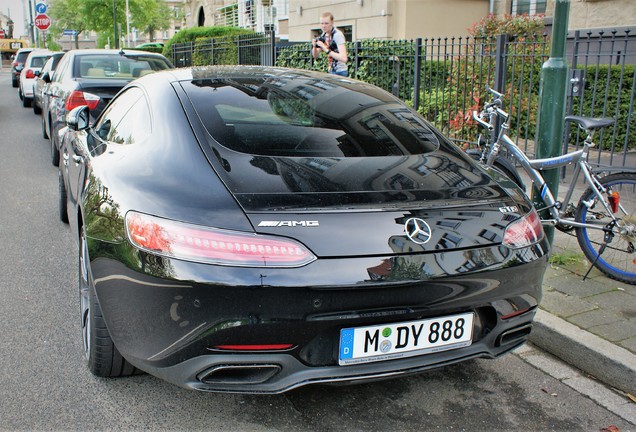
(42, 21)
(1, 34)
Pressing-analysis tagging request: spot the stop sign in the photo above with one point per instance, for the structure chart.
(42, 21)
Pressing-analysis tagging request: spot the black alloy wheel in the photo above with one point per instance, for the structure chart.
(62, 197)
(102, 357)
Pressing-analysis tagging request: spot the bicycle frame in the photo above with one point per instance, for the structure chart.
(533, 168)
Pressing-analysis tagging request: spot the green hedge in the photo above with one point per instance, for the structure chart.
(194, 33)
(299, 57)
(609, 101)
(151, 49)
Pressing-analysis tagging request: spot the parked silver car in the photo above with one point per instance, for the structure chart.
(40, 85)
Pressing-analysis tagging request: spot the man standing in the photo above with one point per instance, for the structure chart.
(332, 43)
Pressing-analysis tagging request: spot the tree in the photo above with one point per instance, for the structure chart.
(144, 14)
(151, 18)
(97, 15)
(66, 17)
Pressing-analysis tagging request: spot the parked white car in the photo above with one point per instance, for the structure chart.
(32, 67)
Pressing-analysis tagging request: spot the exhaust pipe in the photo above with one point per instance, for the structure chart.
(514, 335)
(239, 374)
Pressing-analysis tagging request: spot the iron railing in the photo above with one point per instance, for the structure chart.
(445, 78)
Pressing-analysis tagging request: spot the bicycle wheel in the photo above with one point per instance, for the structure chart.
(618, 260)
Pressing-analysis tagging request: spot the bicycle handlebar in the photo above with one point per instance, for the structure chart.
(496, 103)
(482, 122)
(495, 92)
(501, 113)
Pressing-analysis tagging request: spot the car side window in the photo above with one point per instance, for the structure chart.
(47, 66)
(59, 72)
(131, 105)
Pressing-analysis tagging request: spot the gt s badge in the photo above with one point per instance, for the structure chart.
(288, 223)
(510, 209)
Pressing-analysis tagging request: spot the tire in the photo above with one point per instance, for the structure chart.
(502, 165)
(514, 176)
(36, 108)
(45, 134)
(55, 152)
(26, 102)
(102, 357)
(14, 83)
(20, 94)
(618, 260)
(62, 197)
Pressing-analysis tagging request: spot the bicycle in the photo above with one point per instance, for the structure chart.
(502, 163)
(605, 214)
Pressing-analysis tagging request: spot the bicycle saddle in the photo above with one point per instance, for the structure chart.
(590, 123)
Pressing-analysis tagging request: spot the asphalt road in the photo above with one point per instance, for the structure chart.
(44, 384)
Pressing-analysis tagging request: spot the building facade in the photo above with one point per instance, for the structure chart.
(584, 14)
(298, 20)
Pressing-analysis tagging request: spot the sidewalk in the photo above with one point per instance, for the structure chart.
(590, 324)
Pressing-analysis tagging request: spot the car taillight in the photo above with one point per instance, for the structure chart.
(211, 245)
(524, 232)
(29, 74)
(80, 98)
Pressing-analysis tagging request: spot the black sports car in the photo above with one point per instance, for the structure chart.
(251, 229)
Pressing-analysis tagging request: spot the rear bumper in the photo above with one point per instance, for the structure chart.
(172, 321)
(27, 88)
(277, 373)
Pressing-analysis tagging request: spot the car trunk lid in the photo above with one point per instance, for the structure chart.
(369, 206)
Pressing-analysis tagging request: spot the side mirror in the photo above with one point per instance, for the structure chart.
(46, 77)
(37, 73)
(78, 118)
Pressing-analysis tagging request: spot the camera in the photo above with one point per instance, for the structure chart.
(321, 39)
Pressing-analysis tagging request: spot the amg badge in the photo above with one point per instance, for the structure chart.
(288, 223)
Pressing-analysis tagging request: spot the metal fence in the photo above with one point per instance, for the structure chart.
(445, 78)
(247, 49)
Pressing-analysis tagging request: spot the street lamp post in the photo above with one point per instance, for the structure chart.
(127, 25)
(115, 25)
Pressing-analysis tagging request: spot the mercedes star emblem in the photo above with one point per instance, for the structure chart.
(418, 230)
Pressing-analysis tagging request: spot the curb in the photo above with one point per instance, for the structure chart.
(603, 360)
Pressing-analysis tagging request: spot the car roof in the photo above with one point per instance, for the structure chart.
(40, 53)
(238, 71)
(127, 52)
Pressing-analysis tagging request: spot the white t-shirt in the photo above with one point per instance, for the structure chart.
(337, 38)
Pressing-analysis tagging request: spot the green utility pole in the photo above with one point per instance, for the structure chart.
(552, 90)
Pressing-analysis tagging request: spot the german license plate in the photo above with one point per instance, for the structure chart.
(406, 339)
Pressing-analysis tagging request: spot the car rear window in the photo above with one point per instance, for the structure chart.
(300, 116)
(22, 56)
(38, 62)
(117, 66)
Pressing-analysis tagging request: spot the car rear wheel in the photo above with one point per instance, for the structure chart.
(102, 357)
(55, 152)
(45, 134)
(14, 83)
(36, 107)
(26, 102)
(62, 199)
